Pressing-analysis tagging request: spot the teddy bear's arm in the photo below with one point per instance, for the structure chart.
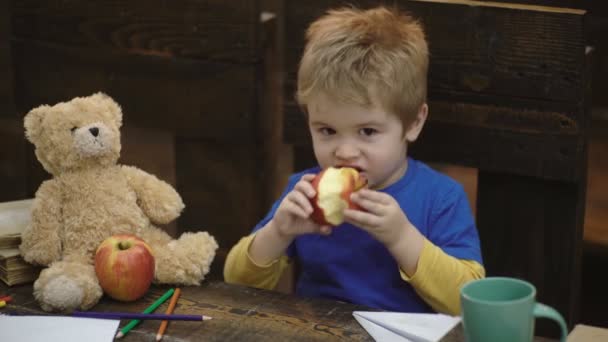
(40, 241)
(158, 199)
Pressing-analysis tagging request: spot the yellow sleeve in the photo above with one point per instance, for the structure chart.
(241, 269)
(440, 276)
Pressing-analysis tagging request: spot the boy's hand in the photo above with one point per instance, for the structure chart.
(381, 216)
(292, 218)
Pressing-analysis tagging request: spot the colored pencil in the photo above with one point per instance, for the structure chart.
(163, 324)
(148, 310)
(140, 316)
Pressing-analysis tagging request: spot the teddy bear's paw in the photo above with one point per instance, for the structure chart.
(173, 266)
(185, 260)
(66, 286)
(171, 274)
(59, 294)
(201, 249)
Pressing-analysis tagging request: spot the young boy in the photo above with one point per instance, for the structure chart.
(362, 83)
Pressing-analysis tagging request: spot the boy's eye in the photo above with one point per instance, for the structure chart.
(368, 131)
(326, 131)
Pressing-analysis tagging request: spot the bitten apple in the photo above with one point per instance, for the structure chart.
(333, 187)
(124, 265)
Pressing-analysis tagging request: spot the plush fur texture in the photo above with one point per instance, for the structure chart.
(91, 198)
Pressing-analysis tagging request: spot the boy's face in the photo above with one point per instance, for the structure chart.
(368, 139)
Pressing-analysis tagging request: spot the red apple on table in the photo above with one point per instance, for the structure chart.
(124, 265)
(334, 187)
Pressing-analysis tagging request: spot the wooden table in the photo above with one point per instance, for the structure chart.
(239, 314)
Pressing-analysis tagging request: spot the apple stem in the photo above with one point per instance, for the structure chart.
(122, 245)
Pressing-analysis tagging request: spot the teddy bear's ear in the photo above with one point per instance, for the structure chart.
(33, 122)
(111, 107)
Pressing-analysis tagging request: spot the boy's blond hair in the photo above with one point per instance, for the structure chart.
(375, 57)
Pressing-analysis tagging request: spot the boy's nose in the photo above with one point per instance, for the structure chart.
(347, 152)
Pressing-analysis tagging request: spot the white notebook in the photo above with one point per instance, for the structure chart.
(397, 326)
(56, 328)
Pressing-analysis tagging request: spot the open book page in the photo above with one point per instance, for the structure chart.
(14, 217)
(56, 328)
(397, 326)
(9, 253)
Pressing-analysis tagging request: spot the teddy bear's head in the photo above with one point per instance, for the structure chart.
(79, 134)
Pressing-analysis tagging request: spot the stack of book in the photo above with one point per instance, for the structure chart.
(14, 217)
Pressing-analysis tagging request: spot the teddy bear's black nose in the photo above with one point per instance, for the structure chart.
(94, 131)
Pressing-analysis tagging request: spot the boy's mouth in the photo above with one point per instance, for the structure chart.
(359, 169)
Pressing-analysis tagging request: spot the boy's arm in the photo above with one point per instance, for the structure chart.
(439, 277)
(241, 269)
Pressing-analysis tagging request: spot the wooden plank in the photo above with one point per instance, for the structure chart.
(7, 106)
(544, 156)
(487, 137)
(593, 298)
(210, 30)
(596, 30)
(276, 154)
(474, 48)
(13, 184)
(154, 152)
(227, 188)
(532, 229)
(596, 209)
(521, 115)
(12, 153)
(222, 187)
(193, 98)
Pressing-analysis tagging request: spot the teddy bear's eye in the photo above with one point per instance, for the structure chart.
(73, 129)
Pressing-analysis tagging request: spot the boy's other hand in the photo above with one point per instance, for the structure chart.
(292, 218)
(381, 216)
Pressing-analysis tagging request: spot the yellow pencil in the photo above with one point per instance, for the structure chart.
(163, 324)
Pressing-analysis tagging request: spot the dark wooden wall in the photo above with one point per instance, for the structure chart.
(596, 31)
(12, 153)
(508, 91)
(189, 76)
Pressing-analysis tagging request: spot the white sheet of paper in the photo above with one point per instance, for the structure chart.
(397, 326)
(56, 328)
(378, 332)
(15, 216)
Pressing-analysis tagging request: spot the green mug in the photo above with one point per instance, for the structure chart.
(503, 309)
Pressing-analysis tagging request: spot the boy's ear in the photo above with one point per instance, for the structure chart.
(416, 126)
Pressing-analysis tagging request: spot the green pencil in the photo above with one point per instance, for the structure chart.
(148, 310)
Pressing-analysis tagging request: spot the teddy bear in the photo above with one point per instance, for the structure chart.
(91, 197)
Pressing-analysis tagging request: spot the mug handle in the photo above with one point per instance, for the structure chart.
(545, 311)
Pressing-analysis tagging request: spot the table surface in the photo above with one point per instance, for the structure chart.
(239, 314)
